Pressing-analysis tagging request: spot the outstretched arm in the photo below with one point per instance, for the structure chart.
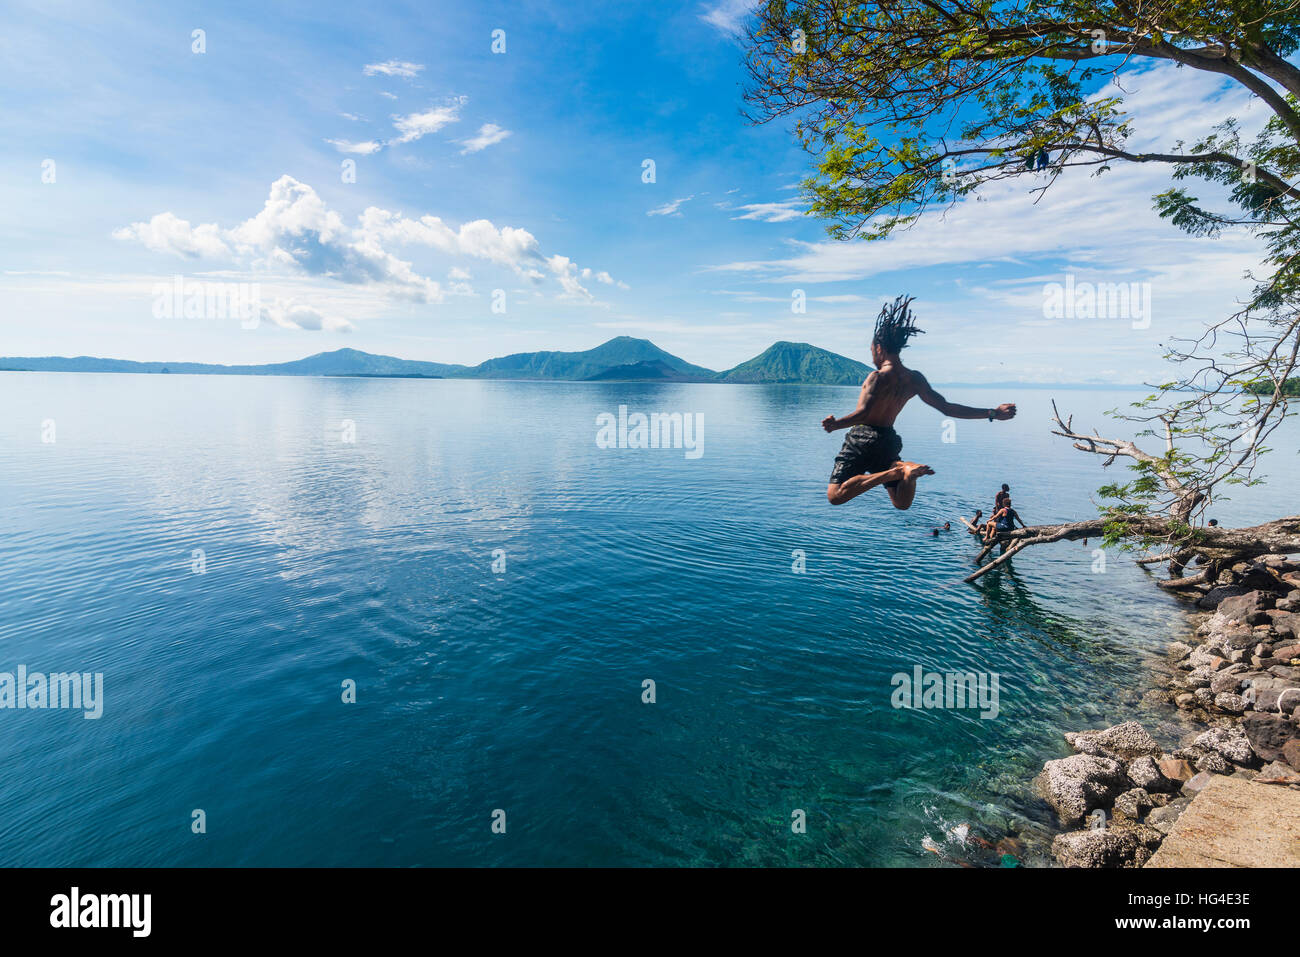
(1007, 410)
(830, 423)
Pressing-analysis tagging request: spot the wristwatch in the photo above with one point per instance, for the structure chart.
(991, 414)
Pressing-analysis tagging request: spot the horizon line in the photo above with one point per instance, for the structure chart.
(383, 375)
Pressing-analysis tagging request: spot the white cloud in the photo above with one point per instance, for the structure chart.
(488, 134)
(507, 246)
(415, 125)
(295, 230)
(729, 16)
(400, 68)
(364, 149)
(670, 209)
(566, 271)
(168, 233)
(771, 212)
(291, 314)
(603, 277)
(459, 282)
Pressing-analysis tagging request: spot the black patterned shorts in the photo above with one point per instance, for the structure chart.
(867, 449)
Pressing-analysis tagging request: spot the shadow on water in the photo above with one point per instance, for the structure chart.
(1011, 602)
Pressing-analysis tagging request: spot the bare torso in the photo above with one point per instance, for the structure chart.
(885, 393)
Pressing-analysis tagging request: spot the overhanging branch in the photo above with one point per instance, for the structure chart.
(1215, 546)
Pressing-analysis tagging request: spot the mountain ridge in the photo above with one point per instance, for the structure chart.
(797, 362)
(622, 358)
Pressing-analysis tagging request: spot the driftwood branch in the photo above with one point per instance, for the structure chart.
(1215, 547)
(1191, 581)
(984, 570)
(1155, 559)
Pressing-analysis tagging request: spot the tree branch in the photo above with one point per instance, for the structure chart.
(1216, 546)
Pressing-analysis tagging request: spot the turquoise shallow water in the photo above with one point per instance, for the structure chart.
(521, 689)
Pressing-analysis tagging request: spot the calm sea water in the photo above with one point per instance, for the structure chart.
(520, 688)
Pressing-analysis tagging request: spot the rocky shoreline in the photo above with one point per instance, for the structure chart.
(1120, 794)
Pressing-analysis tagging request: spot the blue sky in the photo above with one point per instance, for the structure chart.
(522, 172)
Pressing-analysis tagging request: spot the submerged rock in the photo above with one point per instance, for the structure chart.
(1010, 845)
(1154, 699)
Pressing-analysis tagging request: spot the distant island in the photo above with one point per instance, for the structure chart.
(621, 359)
(1290, 388)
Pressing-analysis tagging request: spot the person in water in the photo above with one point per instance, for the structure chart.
(870, 455)
(1003, 520)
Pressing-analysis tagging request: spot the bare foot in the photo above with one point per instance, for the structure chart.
(913, 471)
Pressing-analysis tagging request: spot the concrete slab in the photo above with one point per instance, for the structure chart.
(1235, 823)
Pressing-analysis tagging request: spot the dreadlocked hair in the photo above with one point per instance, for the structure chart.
(895, 325)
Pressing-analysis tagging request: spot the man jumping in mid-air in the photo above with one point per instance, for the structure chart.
(870, 453)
